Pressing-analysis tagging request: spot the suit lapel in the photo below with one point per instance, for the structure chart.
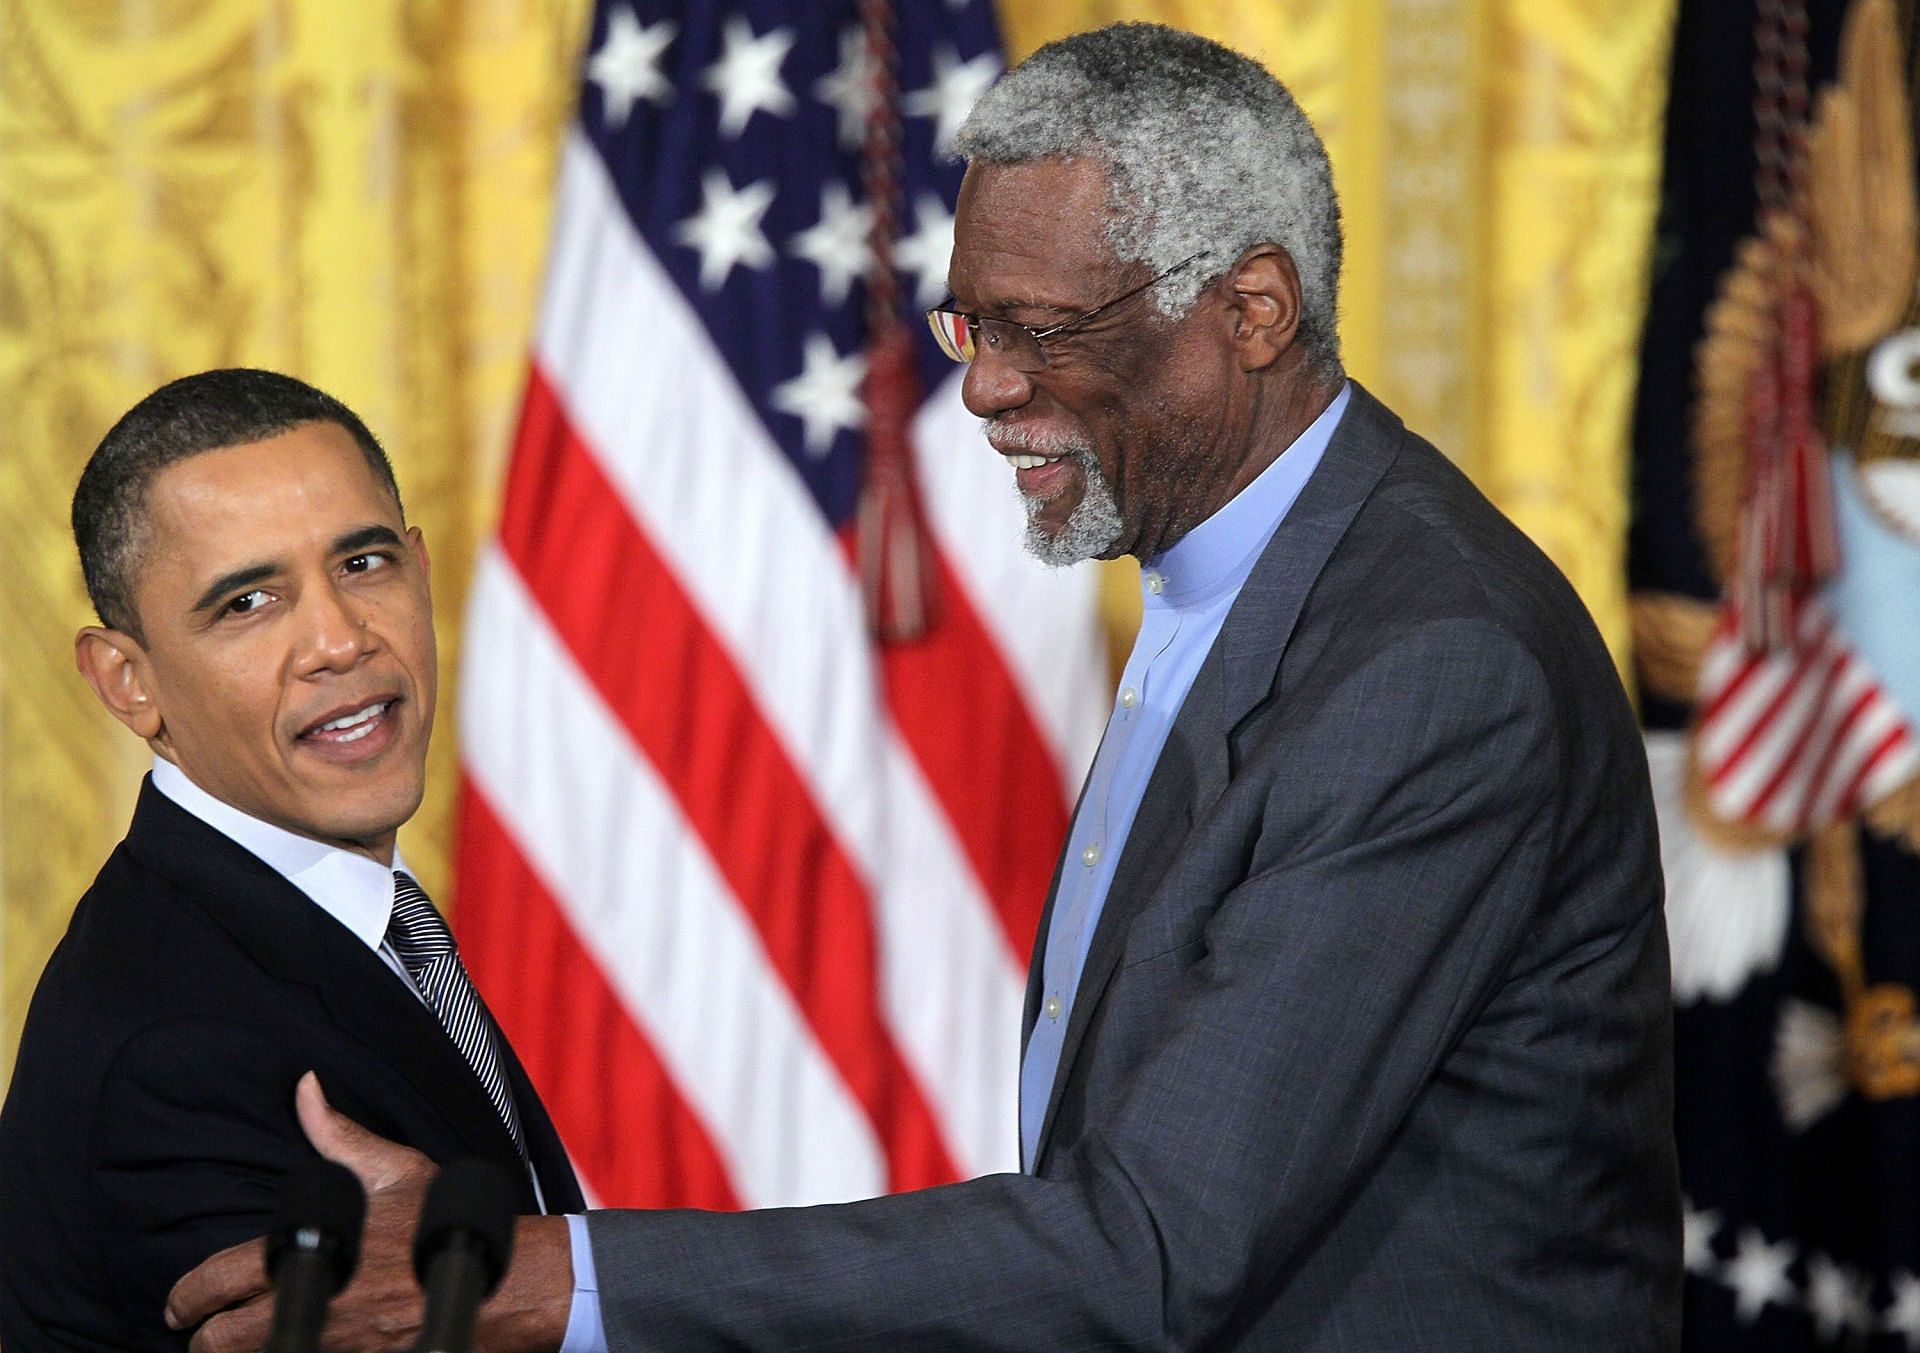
(282, 930)
(1237, 675)
(1262, 621)
(559, 1187)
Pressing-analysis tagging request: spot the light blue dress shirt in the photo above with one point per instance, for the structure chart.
(1186, 595)
(1188, 592)
(586, 1328)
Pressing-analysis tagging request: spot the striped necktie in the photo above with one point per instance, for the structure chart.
(423, 944)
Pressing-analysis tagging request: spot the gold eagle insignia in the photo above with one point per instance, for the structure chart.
(1854, 242)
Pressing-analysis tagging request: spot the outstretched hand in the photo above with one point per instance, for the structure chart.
(380, 1308)
(230, 1298)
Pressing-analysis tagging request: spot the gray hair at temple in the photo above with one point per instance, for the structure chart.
(1205, 152)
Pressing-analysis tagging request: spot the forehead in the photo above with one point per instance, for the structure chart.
(1032, 234)
(265, 498)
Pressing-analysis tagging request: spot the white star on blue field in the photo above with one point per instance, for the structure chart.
(732, 132)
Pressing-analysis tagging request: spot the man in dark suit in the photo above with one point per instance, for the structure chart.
(1348, 1027)
(267, 630)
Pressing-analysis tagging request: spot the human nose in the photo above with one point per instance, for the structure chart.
(994, 385)
(338, 633)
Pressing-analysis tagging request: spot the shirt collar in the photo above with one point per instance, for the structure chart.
(354, 890)
(1220, 552)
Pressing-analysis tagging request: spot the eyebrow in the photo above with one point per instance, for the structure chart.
(360, 538)
(1001, 308)
(230, 582)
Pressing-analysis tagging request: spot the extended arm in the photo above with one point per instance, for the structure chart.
(1389, 884)
(1388, 891)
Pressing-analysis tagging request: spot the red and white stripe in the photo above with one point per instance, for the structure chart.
(751, 898)
(1800, 735)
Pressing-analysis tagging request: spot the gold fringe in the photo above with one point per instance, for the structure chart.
(1897, 816)
(1882, 1034)
(1836, 901)
(1740, 328)
(1670, 636)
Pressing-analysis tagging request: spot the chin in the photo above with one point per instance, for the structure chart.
(377, 816)
(1093, 530)
(1052, 549)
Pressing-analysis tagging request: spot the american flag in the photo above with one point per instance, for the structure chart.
(1795, 731)
(1799, 735)
(750, 892)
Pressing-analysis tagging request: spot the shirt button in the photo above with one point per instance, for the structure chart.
(1053, 1007)
(1090, 856)
(1155, 583)
(1129, 698)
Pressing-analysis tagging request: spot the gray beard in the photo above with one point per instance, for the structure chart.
(1091, 529)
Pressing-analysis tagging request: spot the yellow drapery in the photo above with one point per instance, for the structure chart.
(1498, 169)
(357, 191)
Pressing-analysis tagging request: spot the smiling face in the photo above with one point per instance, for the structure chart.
(288, 659)
(1140, 419)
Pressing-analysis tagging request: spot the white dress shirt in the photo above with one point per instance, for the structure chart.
(352, 889)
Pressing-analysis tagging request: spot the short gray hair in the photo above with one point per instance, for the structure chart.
(1205, 151)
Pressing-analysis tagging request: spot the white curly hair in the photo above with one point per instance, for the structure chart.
(1206, 153)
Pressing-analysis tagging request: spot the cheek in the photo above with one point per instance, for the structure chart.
(1155, 455)
(426, 645)
(1104, 418)
(226, 713)
(249, 704)
(1184, 410)
(402, 614)
(417, 646)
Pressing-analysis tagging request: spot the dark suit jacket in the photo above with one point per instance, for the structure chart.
(150, 1120)
(1372, 1049)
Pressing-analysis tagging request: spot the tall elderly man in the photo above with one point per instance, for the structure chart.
(1347, 1026)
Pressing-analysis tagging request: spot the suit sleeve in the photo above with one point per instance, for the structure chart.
(187, 1153)
(1387, 888)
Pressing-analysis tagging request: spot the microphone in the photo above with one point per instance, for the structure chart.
(461, 1250)
(312, 1247)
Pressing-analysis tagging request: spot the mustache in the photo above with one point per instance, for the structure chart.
(1020, 439)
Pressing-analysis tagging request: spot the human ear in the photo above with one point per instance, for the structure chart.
(418, 544)
(114, 664)
(1266, 304)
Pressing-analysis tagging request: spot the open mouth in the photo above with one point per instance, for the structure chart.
(1041, 476)
(355, 725)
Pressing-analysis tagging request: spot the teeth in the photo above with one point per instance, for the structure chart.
(1031, 462)
(353, 720)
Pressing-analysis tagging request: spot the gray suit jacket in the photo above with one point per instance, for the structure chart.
(1372, 1049)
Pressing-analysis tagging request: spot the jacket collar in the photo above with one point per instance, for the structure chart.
(299, 944)
(355, 889)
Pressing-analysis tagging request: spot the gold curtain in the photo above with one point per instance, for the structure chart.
(357, 191)
(1498, 167)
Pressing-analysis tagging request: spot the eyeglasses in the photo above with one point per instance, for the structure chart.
(962, 335)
